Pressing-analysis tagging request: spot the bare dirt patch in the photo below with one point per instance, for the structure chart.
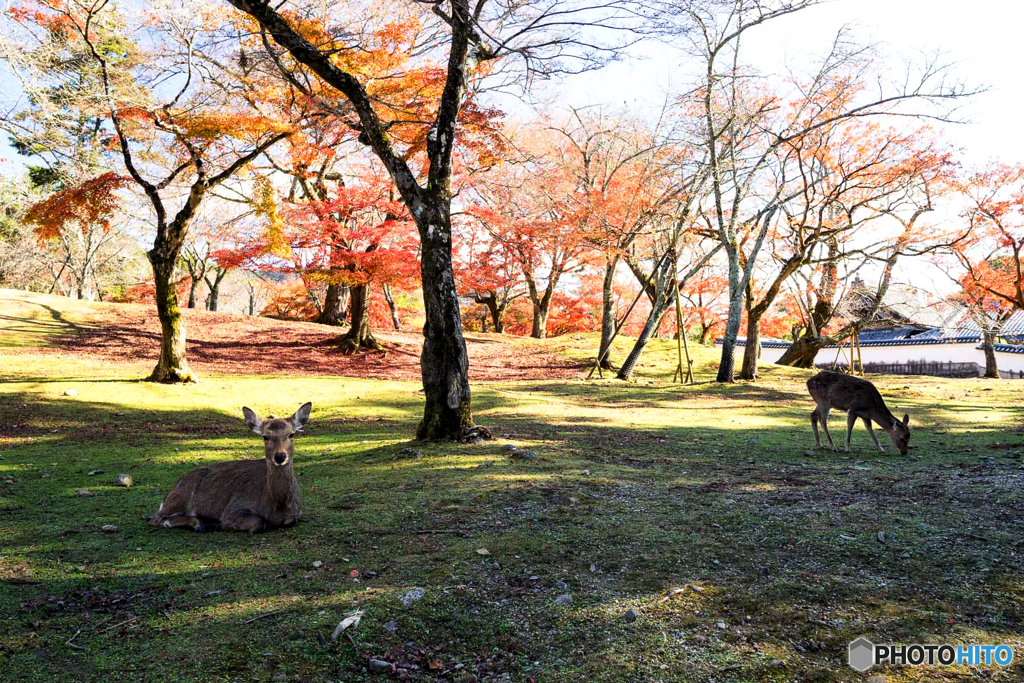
(237, 344)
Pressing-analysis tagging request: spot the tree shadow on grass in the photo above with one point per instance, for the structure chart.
(788, 540)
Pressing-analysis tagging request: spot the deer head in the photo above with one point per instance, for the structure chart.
(278, 433)
(900, 434)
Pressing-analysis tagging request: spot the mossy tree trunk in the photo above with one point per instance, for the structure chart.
(748, 370)
(444, 365)
(608, 319)
(991, 363)
(335, 310)
(219, 273)
(172, 367)
(359, 335)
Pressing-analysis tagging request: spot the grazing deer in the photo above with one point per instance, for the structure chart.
(859, 398)
(242, 495)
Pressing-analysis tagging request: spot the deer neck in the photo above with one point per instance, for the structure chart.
(882, 417)
(280, 484)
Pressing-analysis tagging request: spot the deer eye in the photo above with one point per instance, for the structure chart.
(293, 435)
(266, 438)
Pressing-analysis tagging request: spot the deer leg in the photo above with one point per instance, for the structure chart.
(178, 520)
(867, 423)
(851, 419)
(254, 524)
(243, 519)
(814, 426)
(824, 423)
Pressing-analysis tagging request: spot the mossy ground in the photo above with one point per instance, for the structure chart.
(639, 490)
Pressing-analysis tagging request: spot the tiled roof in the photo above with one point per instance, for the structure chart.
(1008, 348)
(1013, 330)
(934, 336)
(1014, 326)
(766, 343)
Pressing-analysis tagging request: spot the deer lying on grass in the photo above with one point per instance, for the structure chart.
(859, 398)
(242, 495)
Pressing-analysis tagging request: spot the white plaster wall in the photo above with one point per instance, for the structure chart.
(1007, 361)
(958, 353)
(771, 355)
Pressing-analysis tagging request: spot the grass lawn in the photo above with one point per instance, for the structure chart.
(743, 555)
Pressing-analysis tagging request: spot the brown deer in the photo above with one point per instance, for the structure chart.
(859, 398)
(242, 495)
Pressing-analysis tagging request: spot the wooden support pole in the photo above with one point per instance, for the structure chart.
(860, 356)
(618, 325)
(681, 343)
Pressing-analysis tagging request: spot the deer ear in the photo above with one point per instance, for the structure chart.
(906, 420)
(253, 420)
(301, 416)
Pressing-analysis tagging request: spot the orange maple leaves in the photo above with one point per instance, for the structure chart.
(88, 204)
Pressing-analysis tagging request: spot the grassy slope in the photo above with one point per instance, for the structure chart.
(639, 490)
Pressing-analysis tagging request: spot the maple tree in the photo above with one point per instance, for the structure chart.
(703, 297)
(988, 258)
(615, 165)
(526, 209)
(194, 140)
(473, 40)
(487, 272)
(357, 235)
(992, 256)
(747, 129)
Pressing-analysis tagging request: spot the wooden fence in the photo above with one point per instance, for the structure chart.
(919, 367)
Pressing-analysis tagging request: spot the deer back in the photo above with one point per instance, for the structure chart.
(845, 392)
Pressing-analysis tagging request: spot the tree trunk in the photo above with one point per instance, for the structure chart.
(497, 317)
(540, 320)
(172, 368)
(443, 363)
(214, 296)
(219, 274)
(802, 352)
(252, 302)
(991, 363)
(607, 313)
(391, 306)
(726, 366)
(359, 335)
(704, 331)
(750, 350)
(494, 308)
(193, 290)
(660, 308)
(335, 302)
